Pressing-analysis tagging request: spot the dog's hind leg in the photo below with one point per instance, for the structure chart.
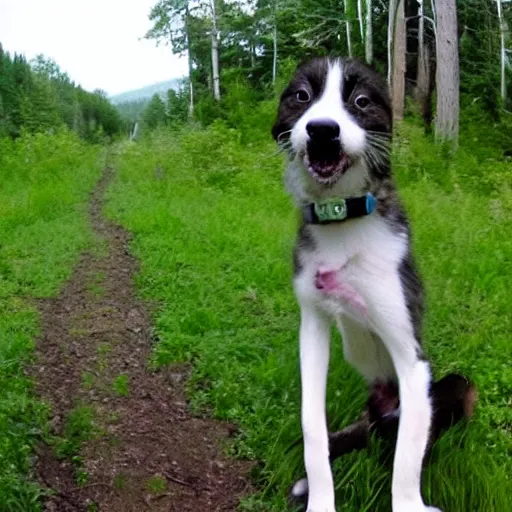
(453, 398)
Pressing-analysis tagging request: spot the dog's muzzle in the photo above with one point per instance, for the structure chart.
(325, 159)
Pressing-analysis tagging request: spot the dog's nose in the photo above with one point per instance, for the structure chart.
(323, 129)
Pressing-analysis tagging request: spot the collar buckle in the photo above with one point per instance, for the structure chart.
(338, 210)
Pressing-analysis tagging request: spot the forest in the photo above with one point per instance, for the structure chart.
(38, 97)
(244, 45)
(148, 328)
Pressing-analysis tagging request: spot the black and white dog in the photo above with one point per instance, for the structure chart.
(353, 264)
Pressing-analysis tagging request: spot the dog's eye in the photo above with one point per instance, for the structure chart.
(303, 96)
(362, 101)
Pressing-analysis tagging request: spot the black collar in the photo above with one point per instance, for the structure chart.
(338, 210)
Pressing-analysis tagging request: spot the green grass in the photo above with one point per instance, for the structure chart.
(44, 184)
(214, 231)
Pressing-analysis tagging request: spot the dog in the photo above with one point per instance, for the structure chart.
(353, 266)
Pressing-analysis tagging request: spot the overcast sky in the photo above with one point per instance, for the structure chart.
(95, 41)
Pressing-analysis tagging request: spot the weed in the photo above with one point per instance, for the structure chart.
(88, 379)
(80, 426)
(81, 477)
(103, 350)
(95, 287)
(156, 484)
(120, 481)
(121, 385)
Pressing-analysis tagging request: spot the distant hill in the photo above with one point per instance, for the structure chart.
(147, 92)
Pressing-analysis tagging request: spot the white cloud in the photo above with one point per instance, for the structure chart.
(97, 42)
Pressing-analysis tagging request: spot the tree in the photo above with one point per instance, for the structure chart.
(172, 25)
(274, 57)
(176, 106)
(393, 4)
(360, 18)
(447, 77)
(369, 33)
(155, 114)
(398, 63)
(503, 86)
(348, 24)
(215, 50)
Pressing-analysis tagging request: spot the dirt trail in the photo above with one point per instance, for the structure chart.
(148, 452)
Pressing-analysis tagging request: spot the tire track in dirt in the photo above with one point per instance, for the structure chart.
(147, 452)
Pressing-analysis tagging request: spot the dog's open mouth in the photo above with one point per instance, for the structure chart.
(326, 162)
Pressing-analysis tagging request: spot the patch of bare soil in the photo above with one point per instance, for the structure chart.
(148, 452)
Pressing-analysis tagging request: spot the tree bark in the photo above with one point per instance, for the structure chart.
(360, 17)
(215, 53)
(190, 67)
(391, 32)
(423, 70)
(369, 32)
(191, 83)
(447, 76)
(348, 27)
(503, 86)
(398, 76)
(274, 59)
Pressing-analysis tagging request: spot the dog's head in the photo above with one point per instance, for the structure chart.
(334, 119)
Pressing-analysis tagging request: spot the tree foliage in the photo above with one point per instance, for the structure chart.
(256, 36)
(40, 97)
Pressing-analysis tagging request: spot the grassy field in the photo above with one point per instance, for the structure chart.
(214, 231)
(44, 184)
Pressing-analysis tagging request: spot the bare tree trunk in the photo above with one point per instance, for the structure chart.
(190, 68)
(348, 27)
(398, 77)
(360, 17)
(191, 102)
(191, 84)
(253, 56)
(369, 32)
(423, 71)
(215, 53)
(447, 76)
(391, 32)
(503, 86)
(274, 60)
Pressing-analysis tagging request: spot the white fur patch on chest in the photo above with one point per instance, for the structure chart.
(348, 257)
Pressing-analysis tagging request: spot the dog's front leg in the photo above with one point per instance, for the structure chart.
(314, 362)
(392, 323)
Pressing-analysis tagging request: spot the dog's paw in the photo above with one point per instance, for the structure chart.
(298, 495)
(415, 508)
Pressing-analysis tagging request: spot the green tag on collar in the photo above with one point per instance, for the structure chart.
(331, 210)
